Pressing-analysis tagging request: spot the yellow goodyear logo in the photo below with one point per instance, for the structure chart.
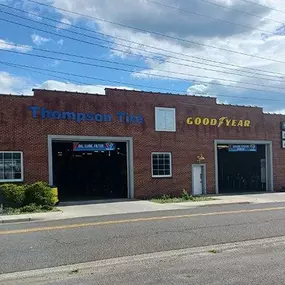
(222, 121)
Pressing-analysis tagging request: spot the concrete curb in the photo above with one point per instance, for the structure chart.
(3, 220)
(7, 219)
(227, 204)
(55, 216)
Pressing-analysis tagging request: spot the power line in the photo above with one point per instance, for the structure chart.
(125, 40)
(240, 11)
(199, 76)
(39, 70)
(261, 5)
(153, 69)
(159, 34)
(155, 75)
(223, 7)
(207, 16)
(276, 80)
(144, 68)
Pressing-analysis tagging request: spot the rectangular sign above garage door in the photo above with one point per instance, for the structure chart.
(242, 148)
(93, 146)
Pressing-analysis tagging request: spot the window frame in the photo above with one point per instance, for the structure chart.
(22, 167)
(170, 164)
(157, 129)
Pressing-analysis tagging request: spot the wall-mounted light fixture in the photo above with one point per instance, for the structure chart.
(201, 158)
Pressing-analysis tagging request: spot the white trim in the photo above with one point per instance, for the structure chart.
(157, 129)
(22, 168)
(170, 158)
(129, 147)
(268, 157)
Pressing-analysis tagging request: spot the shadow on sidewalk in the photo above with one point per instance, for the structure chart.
(92, 202)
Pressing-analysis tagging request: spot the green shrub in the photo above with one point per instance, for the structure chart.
(47, 208)
(165, 197)
(40, 194)
(13, 195)
(32, 208)
(185, 195)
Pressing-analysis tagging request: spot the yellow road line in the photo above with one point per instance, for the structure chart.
(117, 222)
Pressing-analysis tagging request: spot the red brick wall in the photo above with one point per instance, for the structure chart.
(19, 131)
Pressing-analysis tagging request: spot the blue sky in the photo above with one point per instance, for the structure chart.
(199, 69)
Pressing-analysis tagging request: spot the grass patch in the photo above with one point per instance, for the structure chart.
(32, 208)
(212, 251)
(185, 197)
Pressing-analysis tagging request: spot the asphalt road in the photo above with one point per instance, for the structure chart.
(49, 244)
(258, 262)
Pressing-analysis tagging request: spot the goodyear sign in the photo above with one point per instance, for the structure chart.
(219, 122)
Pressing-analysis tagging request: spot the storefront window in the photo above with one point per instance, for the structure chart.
(11, 166)
(161, 164)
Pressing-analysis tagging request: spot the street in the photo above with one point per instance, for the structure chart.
(202, 234)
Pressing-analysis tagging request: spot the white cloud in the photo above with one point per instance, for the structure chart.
(34, 15)
(63, 86)
(277, 112)
(12, 46)
(54, 63)
(198, 89)
(39, 40)
(64, 24)
(149, 16)
(16, 85)
(60, 42)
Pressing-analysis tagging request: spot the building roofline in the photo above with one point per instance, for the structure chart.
(65, 91)
(108, 89)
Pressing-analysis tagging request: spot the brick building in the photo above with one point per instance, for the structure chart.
(138, 144)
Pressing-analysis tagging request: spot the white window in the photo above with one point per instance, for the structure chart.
(161, 164)
(165, 119)
(11, 166)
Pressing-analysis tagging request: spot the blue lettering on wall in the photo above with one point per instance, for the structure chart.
(56, 115)
(46, 114)
(90, 117)
(34, 110)
(122, 117)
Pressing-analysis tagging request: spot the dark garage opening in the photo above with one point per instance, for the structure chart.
(242, 168)
(90, 170)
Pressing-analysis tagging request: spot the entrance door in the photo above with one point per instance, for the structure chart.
(198, 179)
(90, 170)
(241, 168)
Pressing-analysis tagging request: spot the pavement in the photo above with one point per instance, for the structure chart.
(50, 245)
(104, 208)
(257, 262)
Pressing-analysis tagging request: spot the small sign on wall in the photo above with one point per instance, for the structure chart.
(93, 146)
(283, 144)
(283, 135)
(242, 148)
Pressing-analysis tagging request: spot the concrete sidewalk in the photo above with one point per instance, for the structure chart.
(104, 208)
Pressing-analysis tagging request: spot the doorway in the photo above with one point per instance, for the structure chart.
(198, 179)
(243, 167)
(90, 169)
